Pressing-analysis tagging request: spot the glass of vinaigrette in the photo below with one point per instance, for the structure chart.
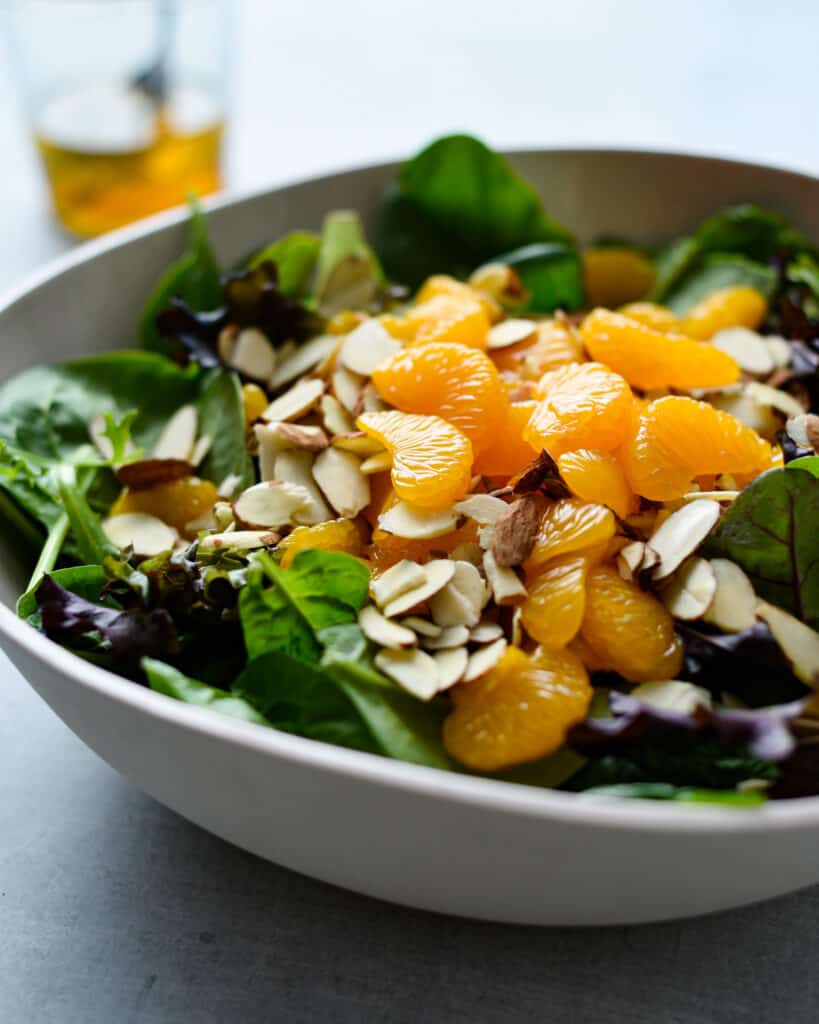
(127, 102)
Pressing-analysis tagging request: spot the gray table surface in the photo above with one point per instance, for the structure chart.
(114, 909)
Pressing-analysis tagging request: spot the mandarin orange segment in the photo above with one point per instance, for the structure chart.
(652, 315)
(677, 439)
(614, 275)
(598, 477)
(386, 548)
(176, 503)
(335, 535)
(461, 319)
(569, 525)
(508, 453)
(582, 406)
(654, 359)
(519, 711)
(432, 460)
(628, 630)
(442, 284)
(459, 384)
(254, 402)
(725, 307)
(555, 602)
(554, 344)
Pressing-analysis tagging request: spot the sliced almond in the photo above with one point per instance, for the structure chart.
(468, 553)
(201, 449)
(270, 444)
(803, 430)
(507, 587)
(102, 442)
(775, 398)
(367, 347)
(681, 534)
(241, 540)
(269, 504)
(204, 522)
(297, 468)
(423, 627)
(377, 463)
(690, 590)
(294, 435)
(302, 359)
(517, 529)
(294, 403)
(483, 508)
(178, 435)
(517, 627)
(253, 355)
(358, 443)
(630, 559)
(461, 601)
(799, 643)
(405, 520)
(748, 349)
(338, 474)
(451, 636)
(733, 608)
(383, 631)
(147, 473)
(346, 387)
(146, 534)
(673, 695)
(223, 515)
(228, 487)
(749, 411)
(395, 581)
(412, 669)
(336, 418)
(451, 664)
(486, 534)
(780, 351)
(724, 496)
(437, 575)
(370, 400)
(485, 632)
(510, 332)
(483, 660)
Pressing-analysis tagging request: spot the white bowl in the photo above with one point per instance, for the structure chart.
(409, 834)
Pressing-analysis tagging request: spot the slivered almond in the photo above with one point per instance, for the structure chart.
(335, 417)
(423, 627)
(451, 664)
(516, 530)
(681, 534)
(302, 359)
(437, 575)
(507, 587)
(368, 346)
(383, 631)
(297, 467)
(395, 581)
(346, 387)
(404, 520)
(147, 473)
(311, 439)
(483, 508)
(775, 398)
(377, 463)
(146, 534)
(485, 658)
(451, 636)
(294, 403)
(228, 487)
(673, 695)
(510, 332)
(241, 540)
(269, 504)
(201, 449)
(733, 608)
(799, 643)
(485, 632)
(358, 443)
(338, 474)
(178, 435)
(690, 590)
(253, 355)
(746, 347)
(412, 669)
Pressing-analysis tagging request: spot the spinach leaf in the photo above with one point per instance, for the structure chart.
(270, 624)
(349, 275)
(665, 791)
(808, 463)
(550, 273)
(719, 271)
(295, 256)
(769, 531)
(455, 206)
(222, 417)
(194, 278)
(173, 683)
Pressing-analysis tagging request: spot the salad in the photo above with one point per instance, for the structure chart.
(466, 495)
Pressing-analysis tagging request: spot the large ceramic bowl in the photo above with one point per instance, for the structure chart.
(414, 835)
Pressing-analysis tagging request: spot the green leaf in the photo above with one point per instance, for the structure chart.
(549, 772)
(118, 432)
(86, 581)
(295, 256)
(550, 273)
(270, 624)
(681, 794)
(165, 679)
(92, 544)
(809, 463)
(222, 417)
(194, 278)
(321, 588)
(349, 274)
(719, 271)
(770, 532)
(457, 205)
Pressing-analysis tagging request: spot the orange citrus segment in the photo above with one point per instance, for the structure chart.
(508, 453)
(654, 359)
(458, 318)
(598, 477)
(519, 711)
(614, 275)
(432, 460)
(568, 526)
(386, 549)
(442, 284)
(628, 630)
(335, 535)
(555, 602)
(582, 406)
(176, 503)
(649, 313)
(677, 439)
(726, 307)
(459, 384)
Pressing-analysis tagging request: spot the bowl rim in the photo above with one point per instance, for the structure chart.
(490, 794)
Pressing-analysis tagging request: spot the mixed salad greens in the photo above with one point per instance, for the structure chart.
(164, 493)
